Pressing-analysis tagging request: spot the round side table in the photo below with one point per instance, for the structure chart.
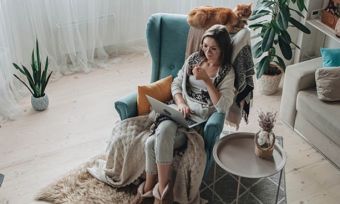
(235, 153)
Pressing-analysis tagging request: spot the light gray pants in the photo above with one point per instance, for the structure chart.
(159, 148)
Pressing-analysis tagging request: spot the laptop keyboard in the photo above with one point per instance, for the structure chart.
(190, 122)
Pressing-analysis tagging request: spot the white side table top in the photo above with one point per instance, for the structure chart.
(235, 153)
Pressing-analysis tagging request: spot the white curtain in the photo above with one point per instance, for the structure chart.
(76, 35)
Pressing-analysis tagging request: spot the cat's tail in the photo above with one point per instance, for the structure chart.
(197, 18)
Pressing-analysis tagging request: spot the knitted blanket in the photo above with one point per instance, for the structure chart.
(126, 159)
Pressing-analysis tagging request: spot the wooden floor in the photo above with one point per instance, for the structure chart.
(40, 147)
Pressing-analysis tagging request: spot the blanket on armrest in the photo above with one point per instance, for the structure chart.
(126, 159)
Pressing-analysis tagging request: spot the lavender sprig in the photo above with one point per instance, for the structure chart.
(267, 120)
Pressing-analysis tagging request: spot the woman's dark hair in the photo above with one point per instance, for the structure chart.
(220, 34)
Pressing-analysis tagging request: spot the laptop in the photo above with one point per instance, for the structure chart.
(171, 111)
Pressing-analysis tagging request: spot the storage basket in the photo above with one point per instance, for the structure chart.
(329, 19)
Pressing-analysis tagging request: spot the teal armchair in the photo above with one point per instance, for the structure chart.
(167, 37)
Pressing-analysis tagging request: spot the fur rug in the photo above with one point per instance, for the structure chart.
(79, 186)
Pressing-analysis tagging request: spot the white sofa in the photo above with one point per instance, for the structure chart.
(317, 121)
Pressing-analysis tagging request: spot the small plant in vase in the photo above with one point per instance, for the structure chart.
(265, 138)
(37, 80)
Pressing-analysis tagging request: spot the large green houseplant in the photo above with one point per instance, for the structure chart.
(273, 18)
(37, 80)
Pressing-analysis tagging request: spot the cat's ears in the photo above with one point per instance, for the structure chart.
(249, 4)
(240, 5)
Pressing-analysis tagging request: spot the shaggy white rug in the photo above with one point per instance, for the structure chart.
(79, 186)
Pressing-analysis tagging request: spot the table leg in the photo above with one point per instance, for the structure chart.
(1, 179)
(278, 187)
(238, 188)
(213, 198)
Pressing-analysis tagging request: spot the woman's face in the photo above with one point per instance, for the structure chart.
(211, 50)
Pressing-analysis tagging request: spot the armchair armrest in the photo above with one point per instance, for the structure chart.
(127, 106)
(212, 131)
(214, 125)
(297, 77)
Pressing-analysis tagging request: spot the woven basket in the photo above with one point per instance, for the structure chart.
(269, 84)
(263, 152)
(329, 19)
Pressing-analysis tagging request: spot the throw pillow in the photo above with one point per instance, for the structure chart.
(328, 84)
(330, 57)
(160, 90)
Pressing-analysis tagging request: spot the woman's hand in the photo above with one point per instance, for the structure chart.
(184, 109)
(182, 106)
(200, 74)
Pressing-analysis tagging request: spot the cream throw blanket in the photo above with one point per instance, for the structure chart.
(126, 159)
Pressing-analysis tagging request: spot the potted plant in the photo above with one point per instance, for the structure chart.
(37, 81)
(265, 138)
(274, 17)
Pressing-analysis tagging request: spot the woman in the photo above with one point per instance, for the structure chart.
(204, 84)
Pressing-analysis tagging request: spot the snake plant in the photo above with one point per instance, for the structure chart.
(274, 17)
(38, 78)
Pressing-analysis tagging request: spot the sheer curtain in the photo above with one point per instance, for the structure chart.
(76, 35)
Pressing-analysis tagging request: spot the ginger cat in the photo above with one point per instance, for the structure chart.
(206, 16)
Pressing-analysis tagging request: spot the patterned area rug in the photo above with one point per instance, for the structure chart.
(252, 191)
(80, 187)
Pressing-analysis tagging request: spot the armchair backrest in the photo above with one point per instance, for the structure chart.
(167, 38)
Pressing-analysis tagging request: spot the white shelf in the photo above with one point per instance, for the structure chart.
(316, 23)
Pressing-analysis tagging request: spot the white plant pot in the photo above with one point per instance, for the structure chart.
(39, 104)
(269, 84)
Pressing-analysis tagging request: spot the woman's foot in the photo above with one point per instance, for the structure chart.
(165, 196)
(143, 197)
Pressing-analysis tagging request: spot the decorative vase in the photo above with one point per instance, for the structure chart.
(39, 104)
(269, 84)
(264, 149)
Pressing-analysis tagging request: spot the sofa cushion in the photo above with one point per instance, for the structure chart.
(323, 115)
(328, 84)
(330, 57)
